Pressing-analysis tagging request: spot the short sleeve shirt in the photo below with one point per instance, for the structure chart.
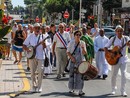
(66, 37)
(32, 40)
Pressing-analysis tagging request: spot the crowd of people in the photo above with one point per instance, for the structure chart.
(68, 45)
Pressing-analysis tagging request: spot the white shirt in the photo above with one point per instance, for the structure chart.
(48, 41)
(93, 30)
(100, 42)
(118, 42)
(14, 29)
(32, 40)
(71, 46)
(66, 37)
(29, 33)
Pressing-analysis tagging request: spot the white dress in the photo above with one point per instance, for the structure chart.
(48, 70)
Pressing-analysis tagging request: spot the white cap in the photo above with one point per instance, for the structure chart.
(36, 25)
(118, 26)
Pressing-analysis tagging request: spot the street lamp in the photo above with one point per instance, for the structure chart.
(80, 13)
(73, 16)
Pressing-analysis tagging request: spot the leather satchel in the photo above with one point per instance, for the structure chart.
(46, 62)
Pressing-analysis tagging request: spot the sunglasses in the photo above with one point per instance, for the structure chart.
(119, 31)
(60, 27)
(78, 34)
(37, 28)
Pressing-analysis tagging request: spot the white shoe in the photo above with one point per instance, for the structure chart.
(124, 94)
(113, 93)
(39, 90)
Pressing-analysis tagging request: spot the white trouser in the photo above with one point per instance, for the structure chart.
(103, 69)
(36, 65)
(61, 59)
(115, 69)
(101, 64)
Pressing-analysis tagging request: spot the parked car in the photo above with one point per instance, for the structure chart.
(109, 32)
(113, 27)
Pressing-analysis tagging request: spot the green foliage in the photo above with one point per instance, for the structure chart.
(28, 2)
(1, 14)
(109, 4)
(52, 6)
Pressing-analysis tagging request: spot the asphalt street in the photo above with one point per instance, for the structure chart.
(97, 88)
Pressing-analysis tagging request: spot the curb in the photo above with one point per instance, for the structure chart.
(26, 83)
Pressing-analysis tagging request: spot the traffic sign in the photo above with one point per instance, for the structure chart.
(82, 16)
(66, 14)
(37, 19)
(83, 10)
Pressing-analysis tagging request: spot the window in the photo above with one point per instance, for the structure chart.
(108, 30)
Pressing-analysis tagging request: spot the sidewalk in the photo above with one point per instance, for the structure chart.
(12, 79)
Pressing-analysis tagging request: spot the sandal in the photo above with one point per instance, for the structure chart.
(19, 62)
(15, 61)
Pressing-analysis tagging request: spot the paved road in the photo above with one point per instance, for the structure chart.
(53, 88)
(97, 88)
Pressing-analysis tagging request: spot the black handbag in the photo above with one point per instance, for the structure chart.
(66, 67)
(46, 61)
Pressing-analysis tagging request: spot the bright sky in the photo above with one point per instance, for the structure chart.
(18, 2)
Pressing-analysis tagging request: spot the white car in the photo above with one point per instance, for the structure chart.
(109, 32)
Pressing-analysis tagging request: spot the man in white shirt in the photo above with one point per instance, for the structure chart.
(119, 40)
(14, 29)
(60, 41)
(36, 63)
(101, 63)
(95, 30)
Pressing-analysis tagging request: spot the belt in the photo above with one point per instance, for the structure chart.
(61, 48)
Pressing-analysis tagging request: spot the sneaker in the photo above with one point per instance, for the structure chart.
(63, 75)
(98, 77)
(39, 90)
(114, 90)
(124, 94)
(104, 77)
(81, 93)
(28, 68)
(113, 93)
(71, 91)
(58, 77)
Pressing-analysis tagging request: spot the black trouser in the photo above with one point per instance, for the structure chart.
(51, 59)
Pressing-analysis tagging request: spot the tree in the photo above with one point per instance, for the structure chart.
(28, 2)
(18, 9)
(59, 6)
(110, 4)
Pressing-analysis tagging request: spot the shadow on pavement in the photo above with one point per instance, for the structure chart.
(7, 80)
(104, 96)
(58, 94)
(13, 69)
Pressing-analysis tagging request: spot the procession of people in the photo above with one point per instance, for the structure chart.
(66, 48)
